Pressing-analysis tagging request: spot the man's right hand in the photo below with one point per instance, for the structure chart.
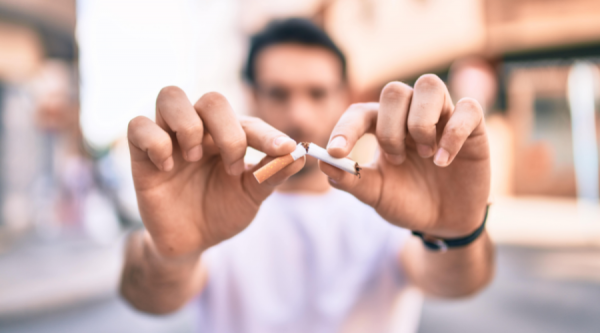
(192, 186)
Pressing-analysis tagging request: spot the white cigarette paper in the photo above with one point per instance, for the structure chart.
(298, 152)
(345, 164)
(305, 148)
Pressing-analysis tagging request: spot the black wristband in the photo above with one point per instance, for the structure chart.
(440, 244)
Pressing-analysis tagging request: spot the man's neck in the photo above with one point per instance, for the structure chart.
(313, 182)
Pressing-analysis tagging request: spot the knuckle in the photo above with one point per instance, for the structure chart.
(234, 142)
(417, 123)
(457, 131)
(388, 136)
(389, 141)
(258, 127)
(135, 124)
(366, 105)
(396, 90)
(168, 93)
(190, 129)
(354, 110)
(471, 105)
(420, 130)
(359, 113)
(356, 107)
(189, 138)
(160, 145)
(429, 81)
(248, 121)
(359, 109)
(210, 100)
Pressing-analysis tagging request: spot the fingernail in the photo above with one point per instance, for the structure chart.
(424, 150)
(194, 154)
(395, 159)
(441, 157)
(237, 168)
(337, 142)
(332, 181)
(168, 164)
(282, 140)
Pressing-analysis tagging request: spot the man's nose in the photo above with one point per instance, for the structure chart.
(300, 111)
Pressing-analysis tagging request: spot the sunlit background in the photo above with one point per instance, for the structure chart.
(73, 73)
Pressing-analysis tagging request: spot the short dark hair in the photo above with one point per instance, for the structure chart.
(294, 31)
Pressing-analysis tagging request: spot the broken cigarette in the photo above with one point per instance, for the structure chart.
(319, 153)
(279, 163)
(305, 148)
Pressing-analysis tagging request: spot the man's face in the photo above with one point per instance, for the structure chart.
(299, 90)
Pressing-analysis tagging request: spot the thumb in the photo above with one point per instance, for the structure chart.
(366, 187)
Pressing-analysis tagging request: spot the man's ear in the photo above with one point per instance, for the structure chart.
(251, 100)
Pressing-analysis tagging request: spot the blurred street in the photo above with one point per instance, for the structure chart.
(107, 315)
(535, 290)
(81, 296)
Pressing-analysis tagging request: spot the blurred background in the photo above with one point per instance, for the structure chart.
(73, 73)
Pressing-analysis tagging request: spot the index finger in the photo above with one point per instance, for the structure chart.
(354, 123)
(225, 129)
(266, 138)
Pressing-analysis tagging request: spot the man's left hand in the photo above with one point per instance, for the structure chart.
(432, 173)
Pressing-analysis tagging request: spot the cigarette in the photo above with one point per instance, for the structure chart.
(345, 164)
(278, 164)
(305, 148)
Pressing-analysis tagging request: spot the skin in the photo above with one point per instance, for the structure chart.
(432, 173)
(302, 98)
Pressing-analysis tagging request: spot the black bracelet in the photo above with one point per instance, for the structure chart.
(440, 244)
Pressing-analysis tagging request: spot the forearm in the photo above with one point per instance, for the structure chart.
(154, 284)
(457, 272)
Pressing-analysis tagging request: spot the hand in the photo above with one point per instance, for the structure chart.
(192, 186)
(433, 169)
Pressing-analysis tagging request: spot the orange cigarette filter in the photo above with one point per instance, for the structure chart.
(278, 164)
(273, 167)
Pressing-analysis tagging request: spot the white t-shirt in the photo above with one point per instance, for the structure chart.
(307, 263)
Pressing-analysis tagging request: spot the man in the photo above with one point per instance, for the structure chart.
(306, 258)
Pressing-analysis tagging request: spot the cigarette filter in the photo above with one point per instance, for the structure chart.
(279, 163)
(345, 164)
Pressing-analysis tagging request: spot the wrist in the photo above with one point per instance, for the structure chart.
(458, 225)
(155, 283)
(437, 243)
(153, 253)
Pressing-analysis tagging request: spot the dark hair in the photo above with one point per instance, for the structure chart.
(292, 30)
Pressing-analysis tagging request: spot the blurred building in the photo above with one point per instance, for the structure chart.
(47, 178)
(532, 44)
(31, 33)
